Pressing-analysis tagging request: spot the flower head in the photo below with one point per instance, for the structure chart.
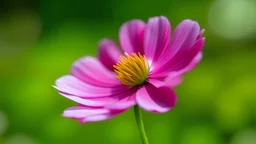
(144, 71)
(132, 70)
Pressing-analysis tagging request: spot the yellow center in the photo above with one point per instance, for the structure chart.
(132, 69)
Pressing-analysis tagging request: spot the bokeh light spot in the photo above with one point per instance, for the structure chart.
(244, 137)
(3, 123)
(233, 19)
(19, 139)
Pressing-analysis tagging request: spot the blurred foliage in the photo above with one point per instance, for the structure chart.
(39, 40)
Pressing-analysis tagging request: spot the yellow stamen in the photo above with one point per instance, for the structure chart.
(132, 69)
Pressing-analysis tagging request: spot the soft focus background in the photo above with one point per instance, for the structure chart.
(39, 40)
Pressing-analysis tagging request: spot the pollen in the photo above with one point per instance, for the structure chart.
(132, 69)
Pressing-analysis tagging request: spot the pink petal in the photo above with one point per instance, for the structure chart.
(71, 85)
(92, 71)
(187, 60)
(121, 105)
(99, 117)
(87, 114)
(89, 95)
(157, 35)
(171, 80)
(96, 102)
(182, 41)
(83, 111)
(124, 103)
(193, 63)
(109, 53)
(155, 99)
(123, 98)
(200, 34)
(131, 36)
(184, 64)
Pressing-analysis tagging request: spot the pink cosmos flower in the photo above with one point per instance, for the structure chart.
(144, 71)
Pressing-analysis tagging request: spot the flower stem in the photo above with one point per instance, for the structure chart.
(140, 125)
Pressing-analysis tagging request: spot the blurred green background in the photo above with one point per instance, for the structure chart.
(39, 40)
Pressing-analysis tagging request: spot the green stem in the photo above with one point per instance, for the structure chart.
(140, 125)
